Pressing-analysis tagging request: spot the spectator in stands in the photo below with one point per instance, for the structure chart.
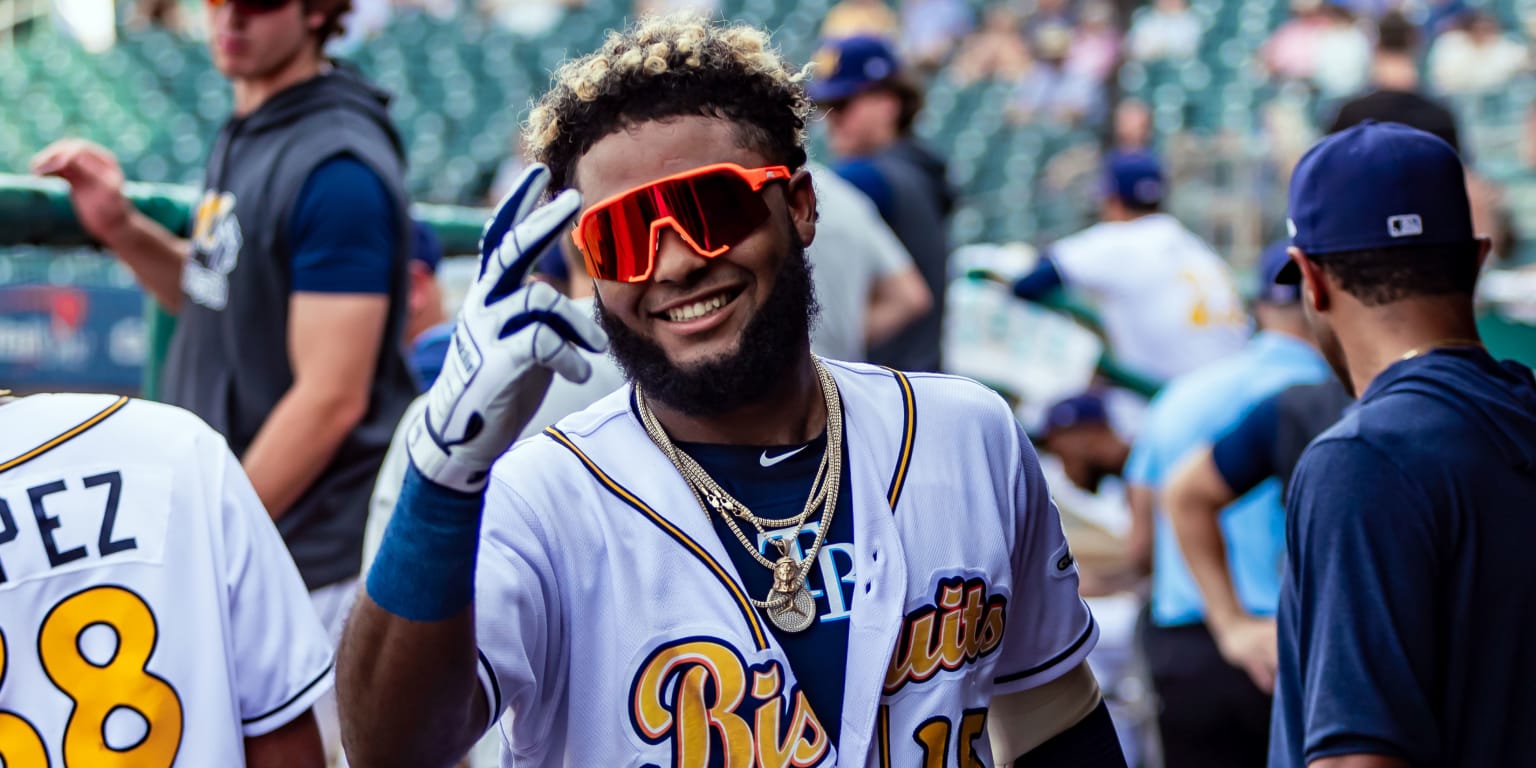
(1342, 54)
(1055, 14)
(1290, 53)
(1475, 56)
(860, 18)
(1440, 16)
(165, 14)
(290, 296)
(1395, 94)
(1050, 92)
(1211, 713)
(1095, 43)
(664, 7)
(1166, 300)
(1166, 30)
(871, 104)
(930, 29)
(1397, 98)
(1131, 127)
(997, 51)
(870, 290)
(529, 19)
(428, 328)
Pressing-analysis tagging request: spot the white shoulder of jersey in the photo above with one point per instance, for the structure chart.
(139, 518)
(49, 417)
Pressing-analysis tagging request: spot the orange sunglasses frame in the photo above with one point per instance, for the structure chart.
(756, 178)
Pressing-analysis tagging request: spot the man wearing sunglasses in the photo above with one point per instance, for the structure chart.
(750, 555)
(290, 293)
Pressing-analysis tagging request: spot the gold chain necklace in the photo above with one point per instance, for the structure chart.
(1440, 344)
(789, 604)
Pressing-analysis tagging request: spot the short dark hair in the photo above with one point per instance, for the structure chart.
(333, 26)
(911, 96)
(1396, 34)
(669, 67)
(1384, 275)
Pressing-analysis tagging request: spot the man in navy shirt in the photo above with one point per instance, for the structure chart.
(1407, 632)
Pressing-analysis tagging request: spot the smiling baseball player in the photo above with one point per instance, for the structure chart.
(750, 556)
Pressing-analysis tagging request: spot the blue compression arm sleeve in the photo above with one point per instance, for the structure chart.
(425, 568)
(1038, 284)
(342, 230)
(1091, 743)
(1245, 456)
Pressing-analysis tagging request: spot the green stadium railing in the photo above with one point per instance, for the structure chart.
(35, 211)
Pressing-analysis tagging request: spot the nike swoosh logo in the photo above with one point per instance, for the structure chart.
(768, 461)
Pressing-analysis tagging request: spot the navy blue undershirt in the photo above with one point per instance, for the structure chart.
(819, 653)
(1245, 456)
(342, 230)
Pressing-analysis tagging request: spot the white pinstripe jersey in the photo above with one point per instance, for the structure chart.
(613, 629)
(149, 612)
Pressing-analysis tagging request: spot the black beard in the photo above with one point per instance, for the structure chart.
(769, 347)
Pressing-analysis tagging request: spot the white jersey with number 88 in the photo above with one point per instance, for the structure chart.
(150, 615)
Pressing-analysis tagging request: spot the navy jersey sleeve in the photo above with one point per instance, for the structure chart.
(864, 175)
(1367, 572)
(342, 230)
(1040, 282)
(1245, 456)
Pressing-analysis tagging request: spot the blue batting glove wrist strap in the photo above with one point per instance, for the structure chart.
(425, 567)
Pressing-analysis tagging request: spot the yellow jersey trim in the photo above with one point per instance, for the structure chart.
(909, 432)
(64, 437)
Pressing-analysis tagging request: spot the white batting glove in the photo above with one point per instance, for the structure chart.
(509, 338)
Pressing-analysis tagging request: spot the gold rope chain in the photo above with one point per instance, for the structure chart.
(709, 494)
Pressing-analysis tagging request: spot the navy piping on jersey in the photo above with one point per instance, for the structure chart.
(490, 674)
(293, 698)
(759, 634)
(1053, 661)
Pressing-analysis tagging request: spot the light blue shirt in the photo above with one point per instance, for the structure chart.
(1192, 412)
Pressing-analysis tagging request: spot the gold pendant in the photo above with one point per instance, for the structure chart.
(795, 614)
(799, 609)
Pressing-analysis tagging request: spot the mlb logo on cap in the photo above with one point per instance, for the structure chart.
(1406, 225)
(1376, 186)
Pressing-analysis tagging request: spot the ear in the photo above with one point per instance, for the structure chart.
(314, 20)
(1314, 282)
(416, 297)
(801, 195)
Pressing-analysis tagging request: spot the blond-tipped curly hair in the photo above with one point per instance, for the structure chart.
(671, 66)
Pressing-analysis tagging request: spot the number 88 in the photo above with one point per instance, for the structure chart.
(98, 690)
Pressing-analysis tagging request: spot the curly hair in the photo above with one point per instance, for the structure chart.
(672, 66)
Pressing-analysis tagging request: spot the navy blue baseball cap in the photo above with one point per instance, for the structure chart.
(1377, 185)
(1276, 257)
(1135, 178)
(849, 66)
(1078, 410)
(425, 247)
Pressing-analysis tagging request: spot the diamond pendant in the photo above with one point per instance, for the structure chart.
(795, 614)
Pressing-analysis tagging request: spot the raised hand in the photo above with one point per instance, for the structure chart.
(509, 340)
(95, 184)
